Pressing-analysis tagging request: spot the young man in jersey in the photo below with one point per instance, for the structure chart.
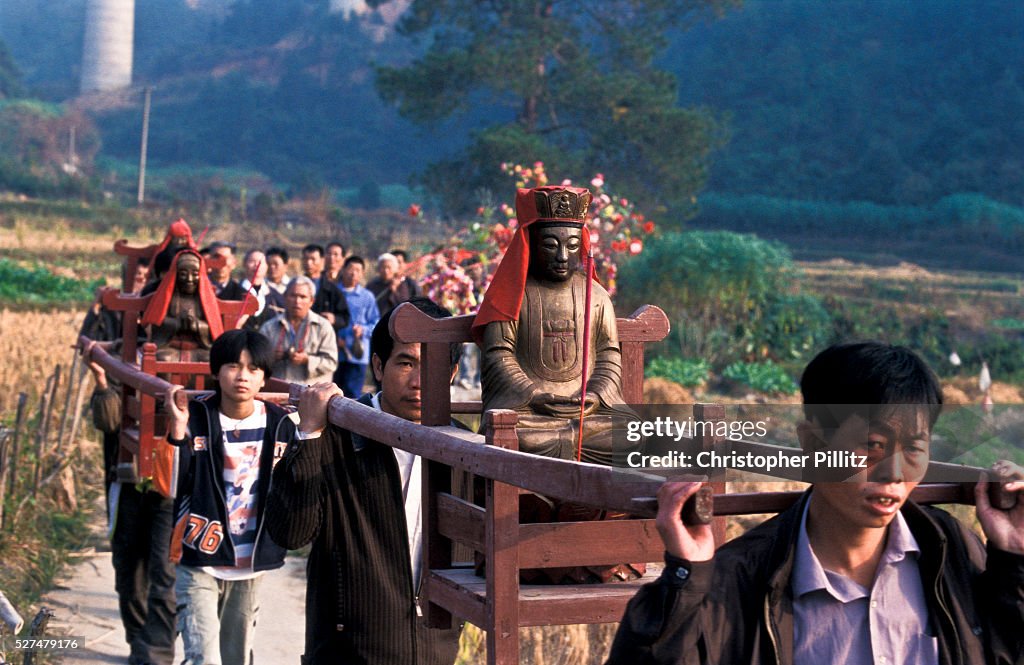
(229, 444)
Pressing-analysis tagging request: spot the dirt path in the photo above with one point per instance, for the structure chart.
(85, 605)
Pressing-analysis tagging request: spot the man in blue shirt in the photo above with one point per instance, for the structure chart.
(353, 345)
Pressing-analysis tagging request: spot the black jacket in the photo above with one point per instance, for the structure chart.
(329, 298)
(738, 608)
(200, 504)
(232, 290)
(361, 607)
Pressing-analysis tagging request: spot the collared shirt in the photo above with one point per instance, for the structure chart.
(259, 292)
(836, 620)
(315, 336)
(362, 309)
(279, 287)
(409, 469)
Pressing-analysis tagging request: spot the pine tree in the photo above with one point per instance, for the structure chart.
(572, 83)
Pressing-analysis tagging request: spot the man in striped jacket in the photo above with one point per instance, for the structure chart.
(359, 502)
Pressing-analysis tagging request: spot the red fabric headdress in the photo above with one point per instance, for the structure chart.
(504, 296)
(178, 229)
(156, 310)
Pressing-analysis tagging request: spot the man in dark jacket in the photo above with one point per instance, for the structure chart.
(359, 502)
(329, 302)
(221, 261)
(229, 444)
(853, 573)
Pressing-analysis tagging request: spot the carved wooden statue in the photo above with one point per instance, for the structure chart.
(183, 315)
(531, 333)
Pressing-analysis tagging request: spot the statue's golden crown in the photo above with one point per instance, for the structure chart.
(562, 203)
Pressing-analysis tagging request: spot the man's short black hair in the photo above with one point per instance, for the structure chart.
(335, 243)
(355, 258)
(218, 244)
(381, 342)
(163, 261)
(277, 251)
(400, 253)
(229, 346)
(845, 378)
(313, 247)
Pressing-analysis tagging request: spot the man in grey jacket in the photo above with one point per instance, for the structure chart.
(305, 346)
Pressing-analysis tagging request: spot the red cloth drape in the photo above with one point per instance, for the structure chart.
(156, 310)
(504, 296)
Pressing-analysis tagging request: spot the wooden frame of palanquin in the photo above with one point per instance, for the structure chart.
(497, 603)
(141, 424)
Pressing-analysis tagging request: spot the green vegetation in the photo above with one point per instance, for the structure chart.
(798, 91)
(301, 98)
(687, 372)
(729, 297)
(38, 286)
(35, 548)
(569, 88)
(33, 143)
(765, 377)
(978, 226)
(1009, 324)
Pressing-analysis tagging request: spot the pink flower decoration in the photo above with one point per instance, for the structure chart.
(636, 247)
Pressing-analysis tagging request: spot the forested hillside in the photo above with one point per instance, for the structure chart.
(890, 101)
(895, 102)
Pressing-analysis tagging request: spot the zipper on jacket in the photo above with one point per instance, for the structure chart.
(941, 602)
(263, 499)
(771, 631)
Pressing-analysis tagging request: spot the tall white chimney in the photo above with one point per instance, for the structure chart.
(107, 51)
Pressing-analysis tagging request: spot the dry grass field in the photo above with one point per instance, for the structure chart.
(31, 344)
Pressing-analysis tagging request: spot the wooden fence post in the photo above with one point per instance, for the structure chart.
(38, 629)
(5, 437)
(19, 422)
(501, 539)
(79, 400)
(38, 470)
(72, 378)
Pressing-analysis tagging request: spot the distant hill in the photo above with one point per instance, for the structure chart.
(897, 102)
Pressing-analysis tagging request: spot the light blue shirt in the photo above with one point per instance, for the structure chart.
(362, 310)
(836, 620)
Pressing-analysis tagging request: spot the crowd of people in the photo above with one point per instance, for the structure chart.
(191, 564)
(855, 572)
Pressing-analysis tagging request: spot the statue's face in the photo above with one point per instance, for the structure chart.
(555, 252)
(187, 277)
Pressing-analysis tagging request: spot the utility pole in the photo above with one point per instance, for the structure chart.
(142, 149)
